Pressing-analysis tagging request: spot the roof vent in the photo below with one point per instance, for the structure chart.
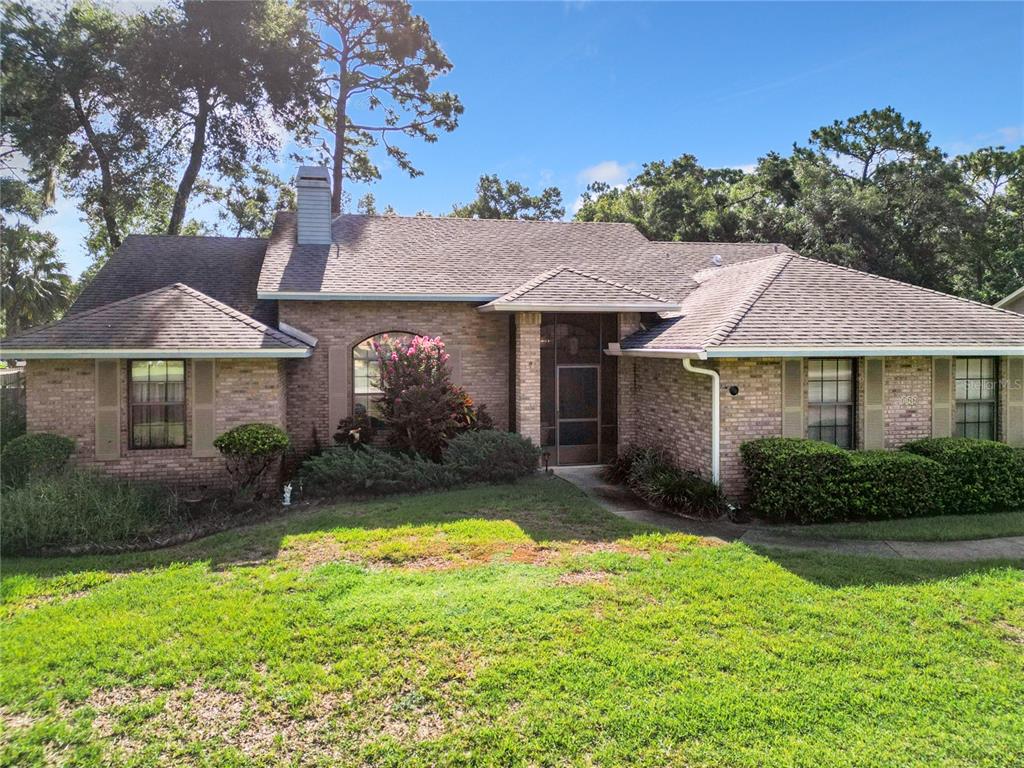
(716, 260)
(476, 215)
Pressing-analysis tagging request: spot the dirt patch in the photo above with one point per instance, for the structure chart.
(579, 578)
(1011, 632)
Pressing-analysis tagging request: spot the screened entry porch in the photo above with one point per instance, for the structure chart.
(578, 387)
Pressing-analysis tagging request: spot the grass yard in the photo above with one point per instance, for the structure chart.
(940, 528)
(518, 625)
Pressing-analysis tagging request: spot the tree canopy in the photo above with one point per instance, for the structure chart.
(871, 192)
(511, 200)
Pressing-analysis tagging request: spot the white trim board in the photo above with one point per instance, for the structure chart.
(1009, 299)
(523, 307)
(103, 354)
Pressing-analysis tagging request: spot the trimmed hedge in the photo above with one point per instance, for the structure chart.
(796, 480)
(806, 481)
(79, 508)
(39, 454)
(488, 456)
(981, 475)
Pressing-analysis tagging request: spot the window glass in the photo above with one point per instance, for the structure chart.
(976, 397)
(157, 403)
(830, 401)
(366, 374)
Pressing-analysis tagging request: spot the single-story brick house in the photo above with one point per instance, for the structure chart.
(584, 337)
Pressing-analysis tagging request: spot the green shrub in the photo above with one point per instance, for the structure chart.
(890, 484)
(617, 470)
(12, 415)
(250, 449)
(796, 480)
(79, 508)
(981, 475)
(39, 454)
(372, 472)
(680, 491)
(491, 457)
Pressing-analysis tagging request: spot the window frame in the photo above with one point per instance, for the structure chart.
(851, 404)
(992, 400)
(354, 397)
(165, 403)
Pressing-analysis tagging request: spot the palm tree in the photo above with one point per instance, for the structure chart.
(34, 285)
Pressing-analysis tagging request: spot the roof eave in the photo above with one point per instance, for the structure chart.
(876, 350)
(474, 298)
(515, 306)
(1010, 299)
(105, 354)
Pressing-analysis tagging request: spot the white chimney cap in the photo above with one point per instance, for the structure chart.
(314, 173)
(716, 260)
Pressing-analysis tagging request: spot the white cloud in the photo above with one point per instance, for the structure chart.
(607, 171)
(746, 168)
(1008, 136)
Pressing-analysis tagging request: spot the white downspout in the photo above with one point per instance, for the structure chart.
(715, 415)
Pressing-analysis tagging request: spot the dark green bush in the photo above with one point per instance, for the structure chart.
(680, 491)
(250, 449)
(12, 415)
(39, 454)
(78, 508)
(795, 480)
(617, 470)
(981, 475)
(489, 456)
(372, 472)
(889, 484)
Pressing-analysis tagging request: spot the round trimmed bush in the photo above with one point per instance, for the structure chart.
(489, 456)
(250, 449)
(39, 454)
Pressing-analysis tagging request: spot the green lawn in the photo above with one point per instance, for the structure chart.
(513, 626)
(941, 528)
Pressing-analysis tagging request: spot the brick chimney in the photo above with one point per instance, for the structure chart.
(313, 189)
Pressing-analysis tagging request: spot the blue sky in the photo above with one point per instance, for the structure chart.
(565, 93)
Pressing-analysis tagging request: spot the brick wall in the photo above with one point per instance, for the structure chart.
(672, 410)
(61, 399)
(754, 411)
(483, 339)
(527, 373)
(908, 399)
(629, 323)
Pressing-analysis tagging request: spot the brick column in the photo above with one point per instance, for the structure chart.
(629, 323)
(527, 365)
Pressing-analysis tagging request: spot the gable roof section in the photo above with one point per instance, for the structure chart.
(455, 259)
(565, 289)
(793, 305)
(1008, 300)
(173, 320)
(224, 268)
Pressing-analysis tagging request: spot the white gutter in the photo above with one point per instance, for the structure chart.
(716, 423)
(99, 354)
(475, 298)
(885, 350)
(692, 354)
(522, 307)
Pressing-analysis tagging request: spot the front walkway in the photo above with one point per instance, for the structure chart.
(621, 502)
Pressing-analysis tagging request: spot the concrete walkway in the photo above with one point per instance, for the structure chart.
(619, 501)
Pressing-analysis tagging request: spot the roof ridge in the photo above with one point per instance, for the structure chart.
(745, 243)
(446, 217)
(736, 265)
(530, 284)
(728, 325)
(196, 237)
(909, 285)
(236, 314)
(616, 284)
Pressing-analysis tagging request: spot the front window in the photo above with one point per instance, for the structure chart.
(830, 398)
(366, 375)
(156, 392)
(976, 393)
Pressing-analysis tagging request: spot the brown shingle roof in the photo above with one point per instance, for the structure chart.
(225, 268)
(791, 302)
(565, 287)
(175, 319)
(482, 258)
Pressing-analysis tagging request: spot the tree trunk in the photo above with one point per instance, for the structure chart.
(106, 180)
(195, 162)
(339, 148)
